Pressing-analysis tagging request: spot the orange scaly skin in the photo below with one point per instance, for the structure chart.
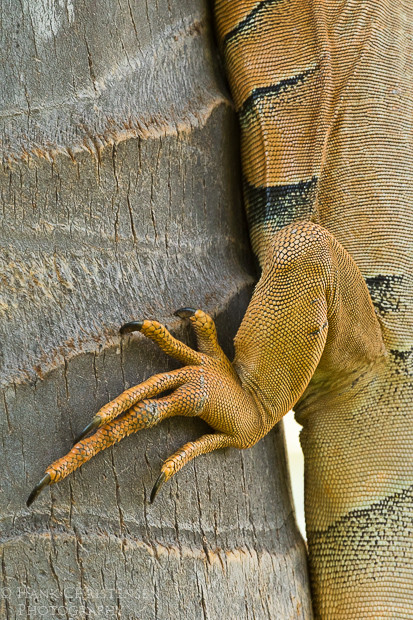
(218, 391)
(242, 401)
(322, 89)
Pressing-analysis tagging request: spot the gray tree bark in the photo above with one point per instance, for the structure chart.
(120, 195)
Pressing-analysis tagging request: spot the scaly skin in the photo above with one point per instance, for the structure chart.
(272, 367)
(322, 89)
(324, 94)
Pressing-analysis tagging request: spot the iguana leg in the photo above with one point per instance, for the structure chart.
(298, 314)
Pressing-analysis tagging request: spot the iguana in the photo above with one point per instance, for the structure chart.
(324, 94)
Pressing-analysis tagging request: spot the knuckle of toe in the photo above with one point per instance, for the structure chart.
(148, 411)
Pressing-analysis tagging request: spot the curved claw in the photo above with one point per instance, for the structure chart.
(161, 479)
(92, 426)
(184, 313)
(44, 482)
(132, 326)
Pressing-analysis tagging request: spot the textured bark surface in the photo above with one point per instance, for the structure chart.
(120, 200)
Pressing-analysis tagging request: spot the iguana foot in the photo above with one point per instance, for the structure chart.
(297, 321)
(207, 387)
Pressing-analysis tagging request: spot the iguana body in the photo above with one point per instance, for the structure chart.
(324, 95)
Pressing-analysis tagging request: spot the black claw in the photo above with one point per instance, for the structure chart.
(157, 486)
(184, 313)
(133, 326)
(44, 482)
(92, 426)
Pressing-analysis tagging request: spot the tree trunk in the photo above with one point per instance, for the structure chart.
(121, 200)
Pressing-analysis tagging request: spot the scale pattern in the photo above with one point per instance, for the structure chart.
(323, 90)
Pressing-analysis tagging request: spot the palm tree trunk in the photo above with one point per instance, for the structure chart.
(121, 200)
